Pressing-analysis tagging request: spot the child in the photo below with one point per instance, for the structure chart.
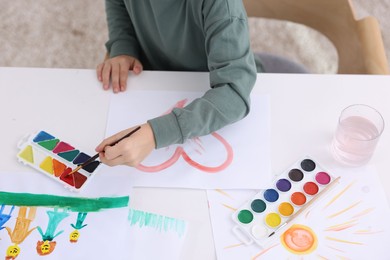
(178, 35)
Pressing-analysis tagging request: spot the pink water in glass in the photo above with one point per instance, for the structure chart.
(355, 140)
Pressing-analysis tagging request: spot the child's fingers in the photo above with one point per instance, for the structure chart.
(110, 140)
(106, 75)
(119, 155)
(124, 73)
(117, 161)
(105, 142)
(137, 67)
(99, 72)
(115, 77)
(129, 151)
(112, 152)
(100, 147)
(114, 155)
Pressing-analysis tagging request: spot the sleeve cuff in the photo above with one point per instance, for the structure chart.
(166, 130)
(123, 48)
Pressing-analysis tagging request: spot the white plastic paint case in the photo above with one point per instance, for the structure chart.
(269, 211)
(56, 158)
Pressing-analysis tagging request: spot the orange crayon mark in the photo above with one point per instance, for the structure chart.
(344, 210)
(344, 241)
(224, 193)
(342, 226)
(229, 207)
(263, 251)
(232, 246)
(339, 195)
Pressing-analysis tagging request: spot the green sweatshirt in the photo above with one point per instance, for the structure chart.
(189, 35)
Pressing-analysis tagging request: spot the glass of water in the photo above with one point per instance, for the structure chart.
(358, 131)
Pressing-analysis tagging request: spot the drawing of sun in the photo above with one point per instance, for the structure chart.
(345, 223)
(299, 239)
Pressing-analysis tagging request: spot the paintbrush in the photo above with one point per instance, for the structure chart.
(306, 205)
(93, 158)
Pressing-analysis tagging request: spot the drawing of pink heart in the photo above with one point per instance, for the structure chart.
(180, 152)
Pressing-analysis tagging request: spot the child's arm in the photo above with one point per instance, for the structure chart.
(232, 77)
(123, 48)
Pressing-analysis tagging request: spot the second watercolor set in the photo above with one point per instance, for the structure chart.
(56, 159)
(263, 216)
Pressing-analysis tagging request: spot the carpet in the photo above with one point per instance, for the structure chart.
(71, 34)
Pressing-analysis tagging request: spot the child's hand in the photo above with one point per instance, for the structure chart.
(117, 69)
(130, 151)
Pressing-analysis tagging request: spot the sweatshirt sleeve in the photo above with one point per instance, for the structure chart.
(122, 39)
(232, 77)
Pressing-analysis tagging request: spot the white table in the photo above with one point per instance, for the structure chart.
(304, 113)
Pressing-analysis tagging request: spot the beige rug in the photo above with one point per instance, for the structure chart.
(71, 34)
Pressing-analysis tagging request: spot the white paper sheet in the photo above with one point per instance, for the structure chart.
(155, 236)
(237, 156)
(109, 233)
(355, 226)
(103, 238)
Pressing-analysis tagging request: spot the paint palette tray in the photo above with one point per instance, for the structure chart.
(56, 159)
(267, 214)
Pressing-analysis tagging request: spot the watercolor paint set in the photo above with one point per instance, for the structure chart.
(56, 159)
(264, 216)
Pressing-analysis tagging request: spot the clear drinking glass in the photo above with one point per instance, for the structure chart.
(358, 131)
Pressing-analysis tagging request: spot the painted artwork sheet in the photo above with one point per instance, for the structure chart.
(58, 227)
(45, 221)
(155, 236)
(350, 222)
(236, 156)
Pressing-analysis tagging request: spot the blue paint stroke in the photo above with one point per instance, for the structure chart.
(4, 217)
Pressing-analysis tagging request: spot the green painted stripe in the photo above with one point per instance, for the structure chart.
(75, 204)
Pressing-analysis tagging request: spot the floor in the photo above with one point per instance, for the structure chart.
(71, 34)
